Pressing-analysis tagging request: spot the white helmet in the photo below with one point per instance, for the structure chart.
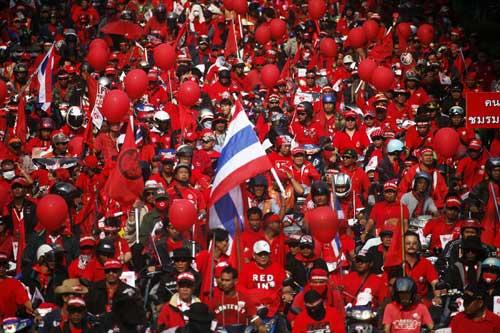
(43, 250)
(161, 116)
(206, 114)
(343, 181)
(104, 81)
(75, 117)
(120, 140)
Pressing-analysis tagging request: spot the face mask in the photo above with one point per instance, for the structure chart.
(489, 277)
(207, 124)
(320, 289)
(9, 174)
(316, 312)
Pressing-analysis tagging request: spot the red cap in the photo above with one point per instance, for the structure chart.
(426, 150)
(371, 113)
(190, 136)
(377, 132)
(319, 274)
(272, 218)
(91, 161)
(110, 70)
(298, 150)
(19, 181)
(453, 202)
(259, 61)
(112, 264)
(470, 224)
(350, 114)
(283, 140)
(185, 276)
(87, 241)
(3, 257)
(391, 185)
(475, 144)
(220, 267)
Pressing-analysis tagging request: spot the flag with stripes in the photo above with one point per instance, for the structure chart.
(242, 157)
(44, 75)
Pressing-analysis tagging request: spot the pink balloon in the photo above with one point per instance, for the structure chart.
(136, 83)
(366, 68)
(357, 37)
(115, 106)
(278, 28)
(165, 56)
(328, 47)
(269, 75)
(382, 78)
(371, 28)
(189, 93)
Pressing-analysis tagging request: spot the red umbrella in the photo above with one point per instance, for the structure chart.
(124, 28)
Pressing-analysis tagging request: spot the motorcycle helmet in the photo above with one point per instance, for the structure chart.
(44, 251)
(106, 248)
(422, 175)
(342, 184)
(329, 98)
(104, 81)
(184, 150)
(307, 107)
(66, 190)
(75, 117)
(47, 123)
(395, 145)
(404, 285)
(491, 264)
(456, 111)
(319, 188)
(205, 114)
(492, 163)
(161, 116)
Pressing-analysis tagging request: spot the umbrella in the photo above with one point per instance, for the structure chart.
(124, 28)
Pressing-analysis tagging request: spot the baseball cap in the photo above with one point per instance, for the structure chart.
(261, 246)
(364, 256)
(390, 185)
(4, 257)
(351, 152)
(298, 150)
(151, 185)
(475, 144)
(112, 264)
(306, 241)
(186, 276)
(19, 181)
(318, 274)
(87, 241)
(453, 202)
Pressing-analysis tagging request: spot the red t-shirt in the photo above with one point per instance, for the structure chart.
(12, 295)
(383, 211)
(407, 321)
(489, 323)
(332, 322)
(353, 285)
(231, 310)
(422, 273)
(438, 227)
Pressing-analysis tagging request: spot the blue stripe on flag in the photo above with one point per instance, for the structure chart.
(239, 141)
(44, 65)
(226, 210)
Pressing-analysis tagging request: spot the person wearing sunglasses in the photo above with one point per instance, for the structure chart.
(352, 136)
(305, 128)
(301, 265)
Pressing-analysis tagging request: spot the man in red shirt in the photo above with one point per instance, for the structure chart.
(472, 166)
(305, 129)
(263, 279)
(13, 293)
(359, 180)
(252, 234)
(317, 317)
(351, 136)
(303, 171)
(387, 211)
(445, 227)
(475, 317)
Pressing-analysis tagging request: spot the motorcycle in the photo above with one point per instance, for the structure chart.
(313, 155)
(451, 304)
(15, 324)
(417, 225)
(361, 317)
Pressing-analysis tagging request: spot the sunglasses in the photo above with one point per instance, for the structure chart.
(76, 310)
(302, 114)
(61, 143)
(347, 157)
(147, 194)
(114, 271)
(350, 119)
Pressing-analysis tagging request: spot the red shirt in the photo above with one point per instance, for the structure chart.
(308, 134)
(422, 273)
(230, 310)
(358, 141)
(306, 174)
(472, 171)
(407, 321)
(489, 323)
(332, 322)
(12, 295)
(353, 284)
(383, 211)
(438, 227)
(170, 317)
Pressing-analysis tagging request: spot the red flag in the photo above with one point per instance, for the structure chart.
(394, 256)
(92, 89)
(88, 136)
(20, 130)
(231, 46)
(181, 36)
(125, 183)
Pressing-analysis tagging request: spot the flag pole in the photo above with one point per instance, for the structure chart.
(402, 238)
(237, 242)
(212, 266)
(278, 181)
(136, 217)
(235, 38)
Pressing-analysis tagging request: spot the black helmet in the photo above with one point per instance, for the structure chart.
(224, 74)
(66, 190)
(423, 175)
(184, 150)
(319, 188)
(491, 163)
(105, 247)
(456, 111)
(404, 285)
(75, 117)
(258, 180)
(307, 107)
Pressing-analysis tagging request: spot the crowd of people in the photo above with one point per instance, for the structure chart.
(418, 232)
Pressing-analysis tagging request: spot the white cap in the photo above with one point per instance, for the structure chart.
(151, 184)
(348, 59)
(261, 246)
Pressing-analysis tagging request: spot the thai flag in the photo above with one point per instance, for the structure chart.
(242, 157)
(44, 74)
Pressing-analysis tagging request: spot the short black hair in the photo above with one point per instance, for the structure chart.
(230, 270)
(253, 211)
(220, 234)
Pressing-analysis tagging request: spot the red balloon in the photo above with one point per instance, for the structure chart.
(263, 34)
(317, 9)
(228, 4)
(323, 223)
(404, 30)
(382, 78)
(253, 78)
(446, 142)
(3, 91)
(328, 47)
(164, 56)
(366, 68)
(278, 28)
(182, 214)
(98, 58)
(136, 83)
(99, 43)
(115, 106)
(189, 93)
(371, 28)
(425, 33)
(51, 212)
(240, 6)
(269, 75)
(357, 37)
